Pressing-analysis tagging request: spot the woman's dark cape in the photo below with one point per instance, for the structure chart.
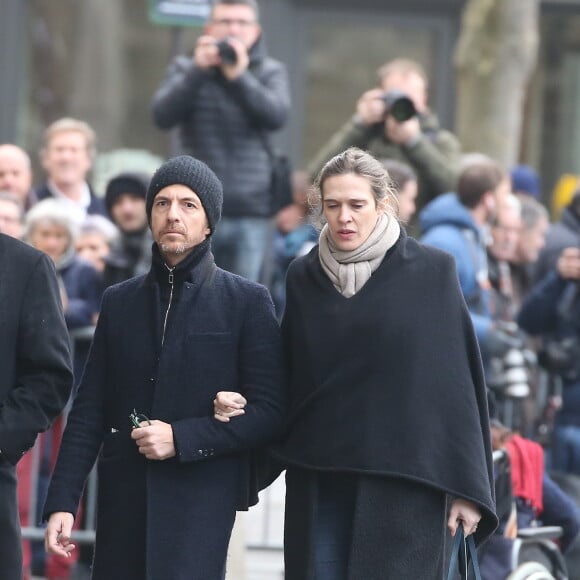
(390, 381)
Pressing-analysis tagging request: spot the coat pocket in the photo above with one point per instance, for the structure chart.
(117, 445)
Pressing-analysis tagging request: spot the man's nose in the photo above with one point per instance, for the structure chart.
(172, 212)
(126, 206)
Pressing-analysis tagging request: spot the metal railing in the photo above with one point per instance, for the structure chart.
(33, 530)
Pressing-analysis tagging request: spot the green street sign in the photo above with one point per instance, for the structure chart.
(179, 12)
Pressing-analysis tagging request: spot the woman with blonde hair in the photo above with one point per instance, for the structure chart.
(387, 436)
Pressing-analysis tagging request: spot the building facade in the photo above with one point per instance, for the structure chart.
(101, 60)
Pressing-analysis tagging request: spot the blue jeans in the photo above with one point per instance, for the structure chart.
(333, 526)
(565, 452)
(239, 245)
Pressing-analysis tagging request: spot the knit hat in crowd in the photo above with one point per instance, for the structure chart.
(125, 183)
(196, 175)
(525, 179)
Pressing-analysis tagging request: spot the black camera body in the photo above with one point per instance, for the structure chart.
(399, 106)
(227, 52)
(562, 357)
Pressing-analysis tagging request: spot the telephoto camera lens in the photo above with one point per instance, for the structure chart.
(227, 52)
(399, 106)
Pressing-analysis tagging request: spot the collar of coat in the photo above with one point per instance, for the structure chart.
(194, 267)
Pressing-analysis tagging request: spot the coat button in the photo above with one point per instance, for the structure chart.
(151, 379)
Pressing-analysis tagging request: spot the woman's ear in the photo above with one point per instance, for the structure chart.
(388, 205)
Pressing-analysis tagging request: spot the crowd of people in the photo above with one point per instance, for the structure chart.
(413, 282)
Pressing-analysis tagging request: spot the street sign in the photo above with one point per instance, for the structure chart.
(180, 12)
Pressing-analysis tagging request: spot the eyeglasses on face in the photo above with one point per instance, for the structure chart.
(229, 22)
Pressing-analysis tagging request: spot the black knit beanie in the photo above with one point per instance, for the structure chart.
(196, 175)
(125, 183)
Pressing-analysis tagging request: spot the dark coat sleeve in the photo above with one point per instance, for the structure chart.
(539, 312)
(266, 100)
(84, 304)
(173, 100)
(261, 382)
(44, 373)
(84, 431)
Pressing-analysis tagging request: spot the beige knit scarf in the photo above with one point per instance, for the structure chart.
(350, 271)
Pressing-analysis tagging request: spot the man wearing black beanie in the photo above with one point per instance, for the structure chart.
(131, 253)
(171, 477)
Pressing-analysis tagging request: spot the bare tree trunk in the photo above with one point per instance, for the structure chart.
(495, 56)
(78, 64)
(99, 72)
(52, 29)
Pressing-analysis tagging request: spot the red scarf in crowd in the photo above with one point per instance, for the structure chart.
(527, 465)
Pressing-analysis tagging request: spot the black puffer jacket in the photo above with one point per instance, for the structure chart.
(227, 124)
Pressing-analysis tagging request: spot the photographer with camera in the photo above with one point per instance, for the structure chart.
(227, 100)
(552, 310)
(394, 122)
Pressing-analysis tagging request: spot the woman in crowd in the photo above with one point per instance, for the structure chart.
(406, 186)
(387, 433)
(95, 240)
(50, 229)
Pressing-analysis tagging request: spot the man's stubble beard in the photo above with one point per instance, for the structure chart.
(176, 250)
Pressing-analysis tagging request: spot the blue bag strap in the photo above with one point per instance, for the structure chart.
(468, 545)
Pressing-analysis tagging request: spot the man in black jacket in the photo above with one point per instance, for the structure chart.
(164, 344)
(36, 375)
(226, 101)
(131, 254)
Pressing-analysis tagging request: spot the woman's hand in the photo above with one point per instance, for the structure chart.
(465, 512)
(57, 535)
(228, 404)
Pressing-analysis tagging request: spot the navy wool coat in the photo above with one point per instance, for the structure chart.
(172, 518)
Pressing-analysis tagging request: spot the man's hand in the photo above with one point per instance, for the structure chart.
(235, 70)
(58, 533)
(370, 108)
(405, 133)
(155, 440)
(467, 513)
(206, 52)
(228, 404)
(569, 264)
